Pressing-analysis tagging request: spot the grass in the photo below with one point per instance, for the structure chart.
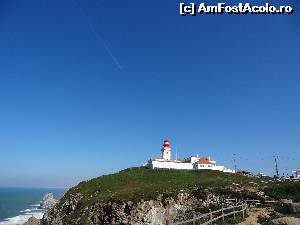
(137, 183)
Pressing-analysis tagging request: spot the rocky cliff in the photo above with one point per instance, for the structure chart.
(159, 211)
(48, 201)
(145, 197)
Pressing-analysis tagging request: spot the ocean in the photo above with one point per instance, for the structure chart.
(18, 204)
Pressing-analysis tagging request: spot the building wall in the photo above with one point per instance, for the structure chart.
(226, 170)
(204, 166)
(194, 159)
(166, 164)
(219, 168)
(170, 165)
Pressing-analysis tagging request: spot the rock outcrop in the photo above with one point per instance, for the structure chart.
(152, 212)
(288, 206)
(48, 201)
(160, 211)
(286, 221)
(32, 221)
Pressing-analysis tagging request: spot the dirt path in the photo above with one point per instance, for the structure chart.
(254, 213)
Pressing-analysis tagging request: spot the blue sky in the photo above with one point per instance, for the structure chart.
(92, 87)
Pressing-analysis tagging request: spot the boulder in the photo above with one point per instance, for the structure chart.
(48, 201)
(294, 207)
(32, 221)
(286, 221)
(288, 206)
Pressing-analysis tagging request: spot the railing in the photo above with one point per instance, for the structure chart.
(253, 203)
(209, 218)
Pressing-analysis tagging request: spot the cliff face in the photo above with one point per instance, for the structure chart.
(152, 212)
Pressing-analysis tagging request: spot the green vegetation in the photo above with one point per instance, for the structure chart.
(134, 184)
(284, 191)
(137, 183)
(142, 183)
(264, 220)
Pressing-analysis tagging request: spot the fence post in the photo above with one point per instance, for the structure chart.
(194, 218)
(234, 211)
(223, 218)
(244, 208)
(210, 216)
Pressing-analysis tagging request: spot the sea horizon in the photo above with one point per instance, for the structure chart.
(34, 187)
(20, 203)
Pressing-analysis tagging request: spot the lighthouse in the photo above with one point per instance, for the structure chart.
(166, 150)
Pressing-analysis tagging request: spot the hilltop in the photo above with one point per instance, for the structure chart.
(130, 194)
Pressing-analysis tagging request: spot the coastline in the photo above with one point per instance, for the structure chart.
(17, 205)
(23, 217)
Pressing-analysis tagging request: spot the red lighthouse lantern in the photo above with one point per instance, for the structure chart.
(166, 143)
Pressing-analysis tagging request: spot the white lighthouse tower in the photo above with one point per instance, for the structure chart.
(166, 150)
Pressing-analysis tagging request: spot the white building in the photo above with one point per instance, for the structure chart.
(192, 163)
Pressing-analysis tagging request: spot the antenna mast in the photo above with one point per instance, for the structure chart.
(276, 166)
(234, 161)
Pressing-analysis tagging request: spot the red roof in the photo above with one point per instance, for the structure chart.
(204, 161)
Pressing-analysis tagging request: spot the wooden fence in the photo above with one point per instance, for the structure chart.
(253, 203)
(209, 218)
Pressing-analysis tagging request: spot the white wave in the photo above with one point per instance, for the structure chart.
(35, 205)
(26, 210)
(21, 219)
(34, 209)
(31, 213)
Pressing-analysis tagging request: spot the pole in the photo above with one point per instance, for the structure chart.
(223, 218)
(276, 166)
(234, 160)
(194, 218)
(210, 216)
(234, 212)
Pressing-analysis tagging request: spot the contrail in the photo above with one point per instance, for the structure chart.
(97, 35)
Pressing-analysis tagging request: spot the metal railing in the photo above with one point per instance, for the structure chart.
(209, 218)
